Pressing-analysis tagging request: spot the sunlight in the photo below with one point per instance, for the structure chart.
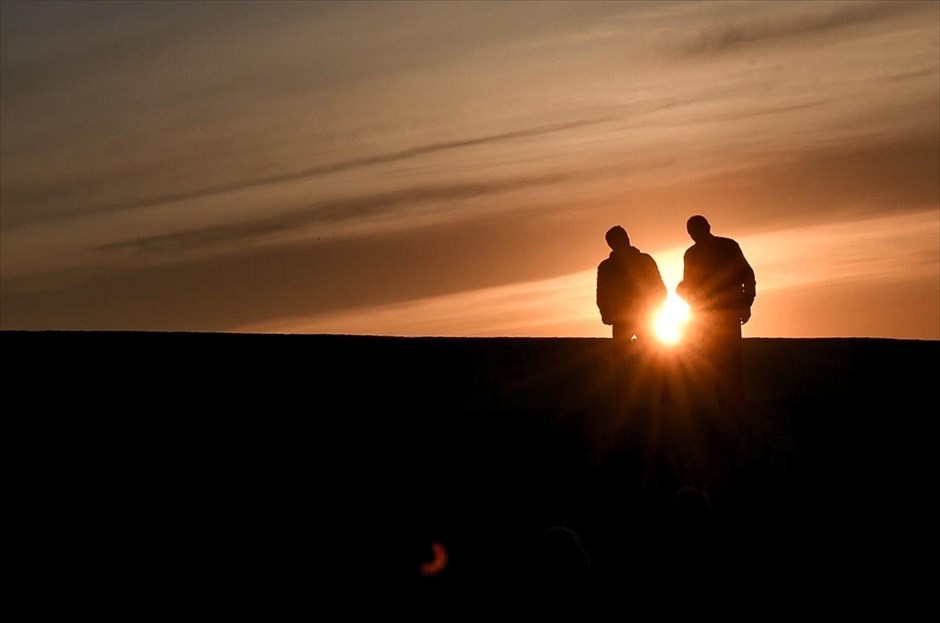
(671, 319)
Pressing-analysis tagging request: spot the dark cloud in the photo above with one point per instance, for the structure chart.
(735, 35)
(325, 213)
(28, 194)
(933, 70)
(254, 285)
(826, 185)
(763, 112)
(828, 182)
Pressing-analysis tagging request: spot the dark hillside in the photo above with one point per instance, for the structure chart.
(267, 460)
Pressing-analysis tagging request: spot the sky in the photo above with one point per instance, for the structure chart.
(450, 168)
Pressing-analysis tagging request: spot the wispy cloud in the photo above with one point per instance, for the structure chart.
(408, 201)
(905, 246)
(549, 307)
(23, 195)
(805, 19)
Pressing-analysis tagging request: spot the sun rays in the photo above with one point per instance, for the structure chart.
(670, 322)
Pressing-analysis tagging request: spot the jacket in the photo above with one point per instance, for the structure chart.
(629, 287)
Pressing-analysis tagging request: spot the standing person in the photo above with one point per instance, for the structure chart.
(629, 288)
(629, 291)
(719, 286)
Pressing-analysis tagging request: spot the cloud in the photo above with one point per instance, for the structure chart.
(546, 308)
(25, 194)
(821, 18)
(325, 213)
(748, 113)
(890, 248)
(252, 284)
(566, 207)
(933, 71)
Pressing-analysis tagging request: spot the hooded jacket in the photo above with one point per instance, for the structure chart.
(629, 287)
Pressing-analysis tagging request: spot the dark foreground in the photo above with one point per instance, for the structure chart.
(254, 470)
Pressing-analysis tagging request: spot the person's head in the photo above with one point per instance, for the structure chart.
(698, 228)
(617, 238)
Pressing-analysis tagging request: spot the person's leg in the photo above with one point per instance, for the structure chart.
(630, 378)
(619, 354)
(729, 364)
(706, 360)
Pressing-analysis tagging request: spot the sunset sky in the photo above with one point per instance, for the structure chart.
(450, 168)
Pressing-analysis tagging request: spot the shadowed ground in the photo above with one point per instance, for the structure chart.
(261, 463)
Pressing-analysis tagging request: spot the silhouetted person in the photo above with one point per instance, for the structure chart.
(629, 288)
(719, 286)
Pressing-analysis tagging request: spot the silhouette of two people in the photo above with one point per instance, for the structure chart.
(719, 286)
(717, 283)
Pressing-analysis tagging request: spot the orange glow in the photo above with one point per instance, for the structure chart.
(437, 563)
(671, 320)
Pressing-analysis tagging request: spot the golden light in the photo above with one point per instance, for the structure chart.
(671, 319)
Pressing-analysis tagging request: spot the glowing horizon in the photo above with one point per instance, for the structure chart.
(564, 306)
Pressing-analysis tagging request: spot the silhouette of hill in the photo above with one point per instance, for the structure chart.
(266, 463)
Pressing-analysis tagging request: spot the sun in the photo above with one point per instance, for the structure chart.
(671, 319)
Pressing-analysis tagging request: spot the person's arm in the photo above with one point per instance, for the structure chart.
(749, 283)
(748, 286)
(603, 294)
